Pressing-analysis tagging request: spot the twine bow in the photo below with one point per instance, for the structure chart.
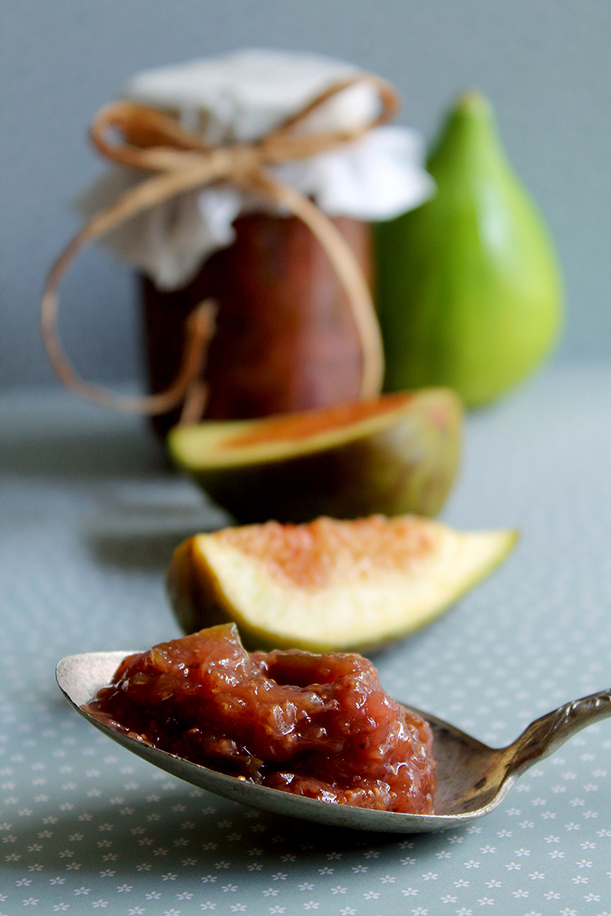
(180, 160)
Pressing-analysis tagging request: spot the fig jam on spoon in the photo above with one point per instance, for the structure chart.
(303, 735)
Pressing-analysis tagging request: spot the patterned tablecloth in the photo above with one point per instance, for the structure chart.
(89, 516)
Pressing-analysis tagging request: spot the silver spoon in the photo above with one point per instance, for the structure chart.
(472, 779)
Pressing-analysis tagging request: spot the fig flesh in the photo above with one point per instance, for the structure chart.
(328, 585)
(395, 454)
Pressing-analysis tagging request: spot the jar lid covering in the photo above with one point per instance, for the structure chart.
(242, 97)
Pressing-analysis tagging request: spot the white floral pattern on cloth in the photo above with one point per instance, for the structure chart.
(87, 523)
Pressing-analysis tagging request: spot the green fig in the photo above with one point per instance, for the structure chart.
(469, 288)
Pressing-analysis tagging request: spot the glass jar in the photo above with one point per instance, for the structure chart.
(285, 338)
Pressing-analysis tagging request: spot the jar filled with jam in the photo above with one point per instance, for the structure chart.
(249, 180)
(285, 337)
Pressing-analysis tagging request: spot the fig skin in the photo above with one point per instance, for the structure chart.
(195, 593)
(407, 467)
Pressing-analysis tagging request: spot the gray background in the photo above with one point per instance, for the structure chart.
(545, 66)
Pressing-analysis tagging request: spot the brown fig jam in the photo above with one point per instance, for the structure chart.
(320, 726)
(285, 336)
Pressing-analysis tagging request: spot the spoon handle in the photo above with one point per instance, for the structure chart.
(545, 735)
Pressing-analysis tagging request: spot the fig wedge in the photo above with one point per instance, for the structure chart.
(328, 585)
(395, 454)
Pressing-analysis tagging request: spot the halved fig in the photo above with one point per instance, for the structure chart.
(398, 453)
(328, 585)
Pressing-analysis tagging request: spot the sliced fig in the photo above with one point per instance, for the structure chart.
(328, 585)
(395, 454)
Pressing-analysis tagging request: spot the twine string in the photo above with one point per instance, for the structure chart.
(180, 160)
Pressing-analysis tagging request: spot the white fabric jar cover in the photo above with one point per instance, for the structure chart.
(241, 97)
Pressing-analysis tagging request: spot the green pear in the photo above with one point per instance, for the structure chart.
(469, 287)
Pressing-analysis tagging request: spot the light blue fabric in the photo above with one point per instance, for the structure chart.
(89, 515)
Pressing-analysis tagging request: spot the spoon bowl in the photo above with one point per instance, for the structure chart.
(472, 778)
